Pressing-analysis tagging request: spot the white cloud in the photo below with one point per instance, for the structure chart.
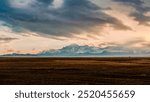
(58, 3)
(21, 3)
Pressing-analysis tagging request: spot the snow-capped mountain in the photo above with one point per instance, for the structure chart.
(77, 50)
(85, 50)
(73, 50)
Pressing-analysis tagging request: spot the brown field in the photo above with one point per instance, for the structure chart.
(78, 71)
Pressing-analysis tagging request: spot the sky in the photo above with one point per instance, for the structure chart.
(32, 26)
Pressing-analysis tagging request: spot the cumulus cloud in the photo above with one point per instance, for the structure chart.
(56, 17)
(140, 11)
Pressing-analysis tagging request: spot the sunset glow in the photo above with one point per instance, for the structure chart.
(33, 26)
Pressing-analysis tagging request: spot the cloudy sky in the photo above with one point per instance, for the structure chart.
(31, 26)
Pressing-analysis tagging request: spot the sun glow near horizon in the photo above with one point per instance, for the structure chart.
(36, 26)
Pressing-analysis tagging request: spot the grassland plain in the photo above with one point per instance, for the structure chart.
(75, 71)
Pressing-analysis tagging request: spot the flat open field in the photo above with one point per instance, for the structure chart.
(78, 71)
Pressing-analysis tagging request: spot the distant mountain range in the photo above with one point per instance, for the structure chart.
(77, 50)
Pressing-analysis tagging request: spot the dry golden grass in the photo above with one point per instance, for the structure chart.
(116, 71)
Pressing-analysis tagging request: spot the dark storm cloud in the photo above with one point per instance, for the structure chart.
(131, 2)
(6, 39)
(73, 17)
(140, 10)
